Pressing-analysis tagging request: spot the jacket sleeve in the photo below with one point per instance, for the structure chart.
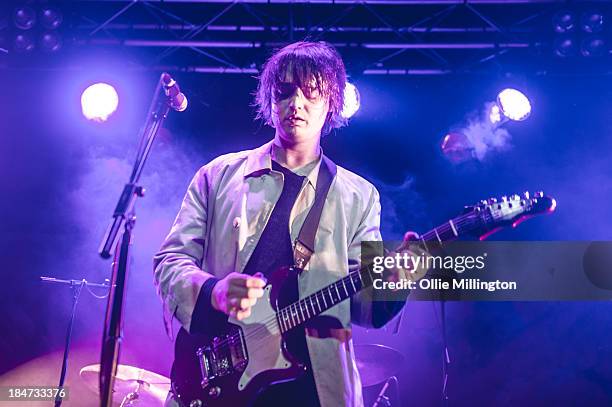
(177, 266)
(367, 309)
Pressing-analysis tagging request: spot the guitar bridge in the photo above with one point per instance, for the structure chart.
(227, 354)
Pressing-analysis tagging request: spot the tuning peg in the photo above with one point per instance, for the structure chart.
(539, 194)
(526, 195)
(484, 202)
(504, 198)
(515, 197)
(492, 200)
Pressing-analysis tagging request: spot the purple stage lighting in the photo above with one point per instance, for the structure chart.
(593, 47)
(24, 42)
(592, 22)
(564, 21)
(457, 147)
(24, 17)
(99, 101)
(50, 41)
(514, 104)
(351, 100)
(565, 46)
(51, 18)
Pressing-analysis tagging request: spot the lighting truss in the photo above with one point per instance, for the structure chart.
(402, 37)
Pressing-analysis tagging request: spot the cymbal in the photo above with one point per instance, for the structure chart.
(152, 388)
(376, 363)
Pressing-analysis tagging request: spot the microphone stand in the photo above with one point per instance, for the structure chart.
(445, 356)
(124, 216)
(77, 286)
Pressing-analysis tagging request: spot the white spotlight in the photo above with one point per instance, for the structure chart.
(514, 104)
(351, 100)
(99, 101)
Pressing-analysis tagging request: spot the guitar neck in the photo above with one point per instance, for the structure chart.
(309, 307)
(460, 226)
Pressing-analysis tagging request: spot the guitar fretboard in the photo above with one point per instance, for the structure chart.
(301, 311)
(309, 307)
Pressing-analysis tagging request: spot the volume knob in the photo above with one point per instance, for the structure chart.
(214, 392)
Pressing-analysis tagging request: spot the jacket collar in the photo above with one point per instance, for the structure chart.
(260, 161)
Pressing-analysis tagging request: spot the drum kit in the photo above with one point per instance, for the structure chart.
(134, 386)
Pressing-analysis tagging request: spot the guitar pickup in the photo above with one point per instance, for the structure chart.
(226, 355)
(238, 351)
(206, 357)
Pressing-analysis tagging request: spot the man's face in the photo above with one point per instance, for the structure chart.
(298, 114)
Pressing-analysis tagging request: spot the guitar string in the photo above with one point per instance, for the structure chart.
(459, 221)
(272, 320)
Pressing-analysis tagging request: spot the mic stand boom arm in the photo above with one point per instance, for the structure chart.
(124, 216)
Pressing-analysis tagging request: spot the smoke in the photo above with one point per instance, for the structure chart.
(165, 179)
(403, 208)
(478, 138)
(166, 175)
(486, 137)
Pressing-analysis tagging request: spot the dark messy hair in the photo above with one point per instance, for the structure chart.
(305, 61)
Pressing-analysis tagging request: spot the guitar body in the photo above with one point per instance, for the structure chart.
(248, 355)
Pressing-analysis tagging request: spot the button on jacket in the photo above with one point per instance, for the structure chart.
(223, 214)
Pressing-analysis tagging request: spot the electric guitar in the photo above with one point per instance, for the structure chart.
(229, 367)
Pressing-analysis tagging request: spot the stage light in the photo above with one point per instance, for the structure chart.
(456, 147)
(593, 47)
(99, 101)
(50, 41)
(565, 46)
(495, 114)
(24, 17)
(24, 42)
(513, 104)
(564, 21)
(592, 22)
(351, 100)
(50, 18)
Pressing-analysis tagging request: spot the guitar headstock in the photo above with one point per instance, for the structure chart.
(495, 214)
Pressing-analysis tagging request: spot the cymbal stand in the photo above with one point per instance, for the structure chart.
(131, 398)
(382, 400)
(77, 286)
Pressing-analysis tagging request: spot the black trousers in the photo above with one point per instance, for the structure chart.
(301, 392)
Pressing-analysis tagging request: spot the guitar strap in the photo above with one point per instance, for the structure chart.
(305, 242)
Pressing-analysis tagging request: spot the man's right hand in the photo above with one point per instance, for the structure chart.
(235, 294)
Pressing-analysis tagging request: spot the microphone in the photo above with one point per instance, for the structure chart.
(178, 100)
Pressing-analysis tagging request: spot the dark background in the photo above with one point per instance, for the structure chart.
(61, 176)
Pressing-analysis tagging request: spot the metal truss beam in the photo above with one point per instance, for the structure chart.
(376, 37)
(261, 28)
(370, 2)
(258, 44)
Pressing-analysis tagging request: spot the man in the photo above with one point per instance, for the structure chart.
(243, 210)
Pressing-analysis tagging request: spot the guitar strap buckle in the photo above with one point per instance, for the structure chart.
(301, 254)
